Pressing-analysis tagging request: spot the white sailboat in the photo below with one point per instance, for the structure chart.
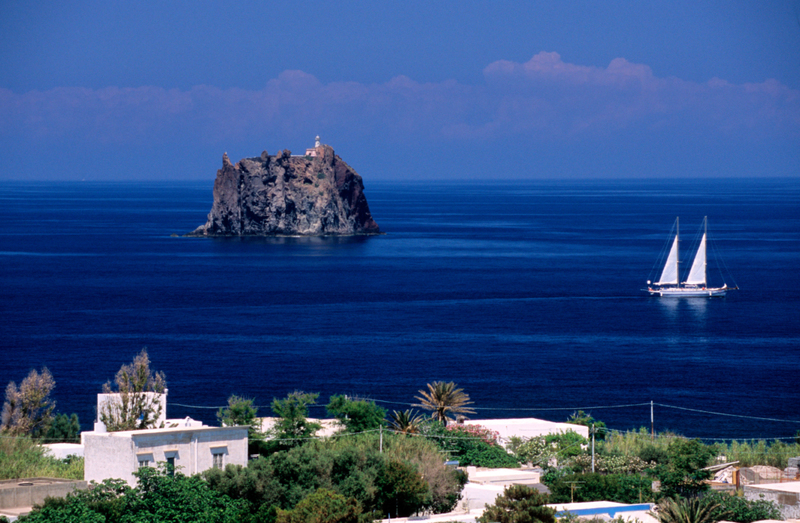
(696, 284)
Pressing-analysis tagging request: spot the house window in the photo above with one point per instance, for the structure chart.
(144, 463)
(171, 465)
(217, 464)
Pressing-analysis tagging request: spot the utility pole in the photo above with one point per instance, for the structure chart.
(573, 486)
(592, 448)
(652, 429)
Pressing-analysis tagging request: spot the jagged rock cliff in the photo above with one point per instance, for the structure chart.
(285, 195)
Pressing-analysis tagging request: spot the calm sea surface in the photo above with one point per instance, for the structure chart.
(527, 294)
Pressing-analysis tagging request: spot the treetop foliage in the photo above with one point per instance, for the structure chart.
(445, 400)
(292, 425)
(136, 408)
(28, 409)
(356, 415)
(585, 419)
(679, 510)
(519, 504)
(240, 411)
(405, 422)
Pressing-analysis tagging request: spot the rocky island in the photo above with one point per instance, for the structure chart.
(316, 194)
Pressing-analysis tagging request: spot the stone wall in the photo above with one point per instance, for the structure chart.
(18, 493)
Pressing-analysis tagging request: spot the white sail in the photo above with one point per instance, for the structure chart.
(670, 273)
(697, 275)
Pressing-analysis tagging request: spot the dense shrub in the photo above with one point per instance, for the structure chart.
(22, 457)
(470, 445)
(621, 488)
(158, 496)
(737, 508)
(519, 504)
(409, 475)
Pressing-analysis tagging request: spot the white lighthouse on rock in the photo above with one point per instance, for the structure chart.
(313, 152)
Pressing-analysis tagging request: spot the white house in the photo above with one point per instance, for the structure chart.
(526, 427)
(189, 446)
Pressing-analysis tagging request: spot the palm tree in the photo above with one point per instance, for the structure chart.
(406, 422)
(687, 511)
(443, 399)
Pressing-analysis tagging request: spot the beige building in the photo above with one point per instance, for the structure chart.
(785, 494)
(189, 447)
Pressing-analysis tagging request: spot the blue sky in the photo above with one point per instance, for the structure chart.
(402, 90)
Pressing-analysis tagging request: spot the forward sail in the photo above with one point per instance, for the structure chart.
(697, 275)
(669, 276)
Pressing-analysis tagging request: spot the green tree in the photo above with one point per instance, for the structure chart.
(28, 409)
(683, 474)
(64, 429)
(444, 400)
(241, 412)
(582, 418)
(323, 506)
(519, 504)
(356, 415)
(139, 405)
(403, 491)
(695, 510)
(292, 425)
(405, 422)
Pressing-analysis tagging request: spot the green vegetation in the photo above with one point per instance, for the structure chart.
(444, 400)
(23, 457)
(519, 504)
(735, 508)
(64, 429)
(622, 488)
(540, 451)
(406, 422)
(321, 175)
(292, 427)
(323, 506)
(136, 409)
(361, 473)
(761, 452)
(159, 496)
(582, 418)
(470, 445)
(682, 474)
(28, 409)
(356, 415)
(409, 476)
(695, 510)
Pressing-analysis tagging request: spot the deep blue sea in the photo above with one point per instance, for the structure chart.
(527, 294)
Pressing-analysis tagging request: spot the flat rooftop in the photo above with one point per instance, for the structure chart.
(785, 486)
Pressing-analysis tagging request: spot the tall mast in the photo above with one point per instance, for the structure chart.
(705, 256)
(677, 251)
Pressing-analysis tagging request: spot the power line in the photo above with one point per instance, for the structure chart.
(539, 409)
(724, 414)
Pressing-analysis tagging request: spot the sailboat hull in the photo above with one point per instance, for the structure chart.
(688, 292)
